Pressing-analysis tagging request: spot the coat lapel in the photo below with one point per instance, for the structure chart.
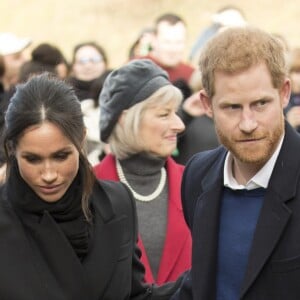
(205, 232)
(275, 212)
(177, 235)
(105, 251)
(61, 259)
(100, 263)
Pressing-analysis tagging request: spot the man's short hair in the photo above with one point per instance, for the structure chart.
(237, 49)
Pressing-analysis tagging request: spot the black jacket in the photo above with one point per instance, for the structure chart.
(53, 271)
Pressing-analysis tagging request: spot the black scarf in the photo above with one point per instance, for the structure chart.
(66, 212)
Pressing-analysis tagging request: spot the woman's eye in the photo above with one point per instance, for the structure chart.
(61, 156)
(32, 159)
(234, 106)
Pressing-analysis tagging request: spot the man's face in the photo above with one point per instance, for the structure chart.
(169, 43)
(248, 114)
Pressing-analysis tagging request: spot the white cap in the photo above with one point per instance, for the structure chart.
(10, 43)
(229, 17)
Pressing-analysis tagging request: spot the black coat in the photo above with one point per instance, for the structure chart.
(52, 270)
(273, 271)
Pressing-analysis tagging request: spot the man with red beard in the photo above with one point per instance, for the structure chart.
(242, 200)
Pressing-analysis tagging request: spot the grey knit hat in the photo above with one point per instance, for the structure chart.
(125, 87)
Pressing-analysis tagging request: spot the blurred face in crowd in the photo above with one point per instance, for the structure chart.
(88, 64)
(13, 63)
(62, 70)
(248, 114)
(159, 128)
(169, 43)
(48, 161)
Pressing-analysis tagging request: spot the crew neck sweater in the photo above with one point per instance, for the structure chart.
(239, 213)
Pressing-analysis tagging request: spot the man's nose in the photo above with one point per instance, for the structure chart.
(248, 122)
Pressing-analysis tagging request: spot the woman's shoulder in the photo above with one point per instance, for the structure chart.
(117, 201)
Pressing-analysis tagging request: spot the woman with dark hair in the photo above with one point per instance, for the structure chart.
(45, 58)
(64, 235)
(89, 62)
(89, 68)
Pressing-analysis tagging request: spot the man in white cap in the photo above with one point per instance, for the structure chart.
(12, 57)
(12, 49)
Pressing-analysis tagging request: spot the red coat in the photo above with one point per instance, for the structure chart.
(176, 256)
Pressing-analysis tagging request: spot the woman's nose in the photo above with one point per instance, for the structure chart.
(178, 124)
(49, 173)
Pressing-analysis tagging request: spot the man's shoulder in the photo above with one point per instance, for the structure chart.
(204, 158)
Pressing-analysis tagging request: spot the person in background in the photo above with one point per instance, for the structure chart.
(64, 234)
(139, 121)
(89, 69)
(12, 49)
(142, 46)
(168, 51)
(89, 62)
(12, 52)
(242, 200)
(44, 58)
(226, 16)
(292, 111)
(169, 45)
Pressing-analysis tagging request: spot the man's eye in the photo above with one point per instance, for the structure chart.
(231, 106)
(261, 103)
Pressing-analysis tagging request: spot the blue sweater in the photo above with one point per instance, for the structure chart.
(238, 217)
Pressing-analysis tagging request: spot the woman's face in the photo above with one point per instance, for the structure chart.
(159, 128)
(48, 161)
(88, 64)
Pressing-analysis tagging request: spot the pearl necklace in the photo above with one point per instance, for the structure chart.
(137, 196)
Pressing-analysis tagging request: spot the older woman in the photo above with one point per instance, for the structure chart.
(139, 121)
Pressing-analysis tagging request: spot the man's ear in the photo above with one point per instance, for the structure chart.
(206, 102)
(285, 92)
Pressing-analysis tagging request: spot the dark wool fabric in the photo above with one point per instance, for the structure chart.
(66, 212)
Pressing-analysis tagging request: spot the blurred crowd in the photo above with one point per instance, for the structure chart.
(165, 43)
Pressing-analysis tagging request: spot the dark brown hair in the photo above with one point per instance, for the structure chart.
(46, 98)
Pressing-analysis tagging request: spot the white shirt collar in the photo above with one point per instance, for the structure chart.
(260, 179)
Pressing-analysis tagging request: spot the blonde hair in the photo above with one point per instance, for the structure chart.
(236, 49)
(125, 139)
